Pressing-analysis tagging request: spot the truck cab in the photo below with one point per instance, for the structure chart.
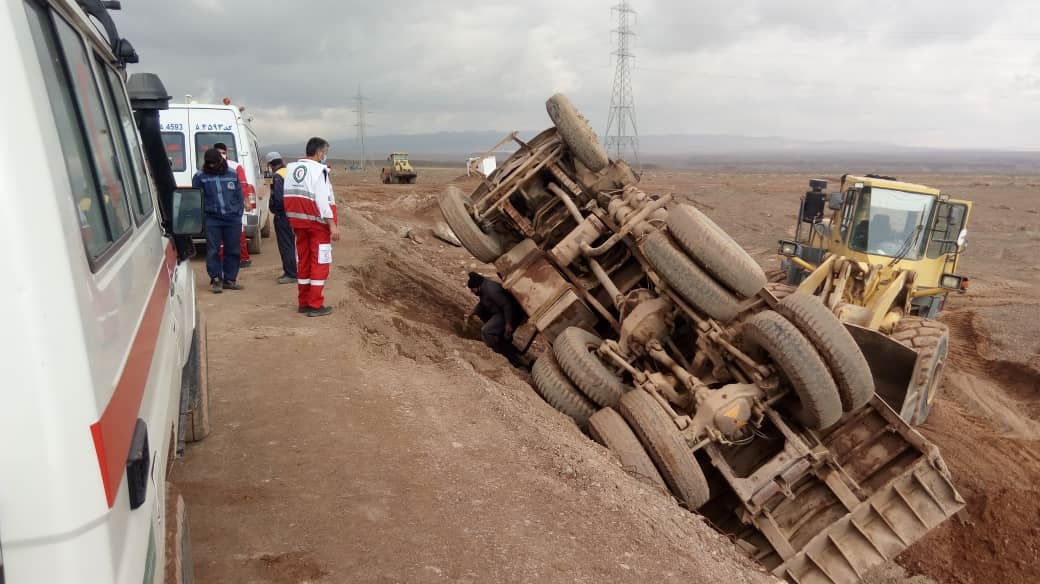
(102, 347)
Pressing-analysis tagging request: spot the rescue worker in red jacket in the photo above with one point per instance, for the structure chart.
(247, 189)
(311, 207)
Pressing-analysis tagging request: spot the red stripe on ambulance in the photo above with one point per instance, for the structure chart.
(113, 432)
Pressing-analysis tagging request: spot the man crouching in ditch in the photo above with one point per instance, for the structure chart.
(500, 313)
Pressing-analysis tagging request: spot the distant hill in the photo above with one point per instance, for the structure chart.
(714, 151)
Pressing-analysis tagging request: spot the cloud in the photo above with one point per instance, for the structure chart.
(937, 73)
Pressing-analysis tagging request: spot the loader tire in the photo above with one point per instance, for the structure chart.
(609, 429)
(454, 206)
(835, 344)
(931, 340)
(819, 404)
(576, 133)
(553, 385)
(573, 349)
(715, 250)
(667, 448)
(691, 282)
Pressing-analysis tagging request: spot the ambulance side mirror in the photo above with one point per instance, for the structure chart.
(187, 212)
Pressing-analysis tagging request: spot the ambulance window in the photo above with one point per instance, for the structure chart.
(74, 151)
(99, 134)
(205, 140)
(174, 143)
(131, 143)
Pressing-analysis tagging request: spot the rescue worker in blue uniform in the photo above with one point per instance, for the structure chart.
(222, 203)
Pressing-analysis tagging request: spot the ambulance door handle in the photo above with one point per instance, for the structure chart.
(137, 465)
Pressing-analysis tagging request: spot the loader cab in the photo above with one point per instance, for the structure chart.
(887, 226)
(881, 220)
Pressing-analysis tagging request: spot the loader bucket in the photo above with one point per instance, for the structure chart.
(892, 365)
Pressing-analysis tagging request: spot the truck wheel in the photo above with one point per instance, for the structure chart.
(574, 351)
(576, 133)
(609, 429)
(665, 445)
(178, 568)
(931, 340)
(455, 208)
(715, 250)
(819, 405)
(253, 244)
(196, 417)
(554, 387)
(688, 279)
(835, 344)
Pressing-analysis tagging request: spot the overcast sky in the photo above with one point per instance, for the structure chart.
(943, 73)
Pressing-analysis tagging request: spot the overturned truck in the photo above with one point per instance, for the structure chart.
(671, 351)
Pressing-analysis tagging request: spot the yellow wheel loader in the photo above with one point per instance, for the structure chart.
(882, 255)
(399, 170)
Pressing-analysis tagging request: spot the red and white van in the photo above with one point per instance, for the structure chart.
(102, 351)
(190, 129)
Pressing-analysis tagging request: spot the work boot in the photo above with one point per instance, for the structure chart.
(215, 285)
(303, 309)
(286, 280)
(320, 311)
(232, 285)
(245, 263)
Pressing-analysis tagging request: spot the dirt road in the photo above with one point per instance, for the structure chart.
(379, 444)
(374, 445)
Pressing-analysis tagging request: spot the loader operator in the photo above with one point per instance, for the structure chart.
(500, 314)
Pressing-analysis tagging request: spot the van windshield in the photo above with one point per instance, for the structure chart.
(205, 140)
(174, 143)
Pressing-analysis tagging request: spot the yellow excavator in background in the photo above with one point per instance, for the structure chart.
(882, 255)
(399, 171)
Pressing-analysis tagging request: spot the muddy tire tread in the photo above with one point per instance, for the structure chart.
(666, 447)
(484, 247)
(835, 344)
(585, 369)
(820, 404)
(553, 385)
(931, 339)
(608, 428)
(576, 133)
(715, 251)
(687, 278)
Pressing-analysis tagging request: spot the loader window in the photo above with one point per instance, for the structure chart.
(891, 223)
(947, 233)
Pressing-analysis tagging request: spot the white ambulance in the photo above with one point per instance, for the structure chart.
(190, 129)
(102, 351)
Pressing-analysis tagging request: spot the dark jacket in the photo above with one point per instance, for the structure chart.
(494, 299)
(221, 195)
(277, 204)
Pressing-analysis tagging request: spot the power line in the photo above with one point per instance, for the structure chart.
(622, 134)
(361, 124)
